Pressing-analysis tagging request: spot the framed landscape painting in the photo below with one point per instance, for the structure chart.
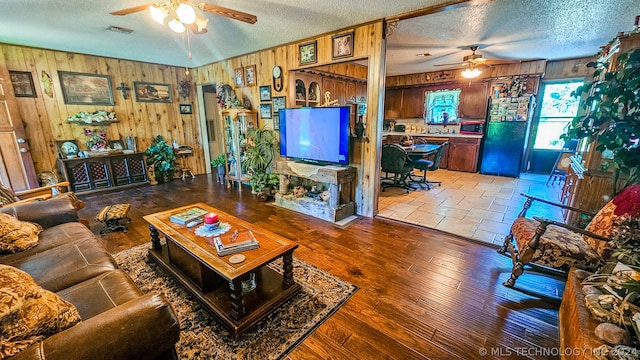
(86, 89)
(22, 82)
(152, 92)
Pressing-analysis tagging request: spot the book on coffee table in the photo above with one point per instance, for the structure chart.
(186, 216)
(235, 243)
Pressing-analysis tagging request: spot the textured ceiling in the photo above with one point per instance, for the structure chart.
(504, 29)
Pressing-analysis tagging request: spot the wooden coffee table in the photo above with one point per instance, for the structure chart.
(213, 280)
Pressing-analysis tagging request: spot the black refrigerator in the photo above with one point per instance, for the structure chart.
(506, 134)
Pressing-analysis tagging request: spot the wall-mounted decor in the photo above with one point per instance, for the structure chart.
(67, 148)
(186, 109)
(47, 84)
(279, 102)
(307, 53)
(238, 77)
(184, 88)
(22, 84)
(124, 89)
(276, 122)
(265, 111)
(265, 93)
(250, 75)
(152, 92)
(116, 144)
(85, 89)
(342, 46)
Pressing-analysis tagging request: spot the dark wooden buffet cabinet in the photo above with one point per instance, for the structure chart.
(104, 172)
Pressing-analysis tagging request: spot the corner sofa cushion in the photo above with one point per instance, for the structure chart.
(16, 235)
(7, 196)
(29, 313)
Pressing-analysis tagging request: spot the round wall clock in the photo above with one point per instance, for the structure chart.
(277, 78)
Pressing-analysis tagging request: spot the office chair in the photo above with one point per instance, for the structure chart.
(426, 164)
(395, 161)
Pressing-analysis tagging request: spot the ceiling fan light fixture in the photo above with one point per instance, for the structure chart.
(201, 23)
(158, 13)
(186, 13)
(176, 25)
(471, 72)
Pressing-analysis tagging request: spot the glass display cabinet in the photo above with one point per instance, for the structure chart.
(237, 122)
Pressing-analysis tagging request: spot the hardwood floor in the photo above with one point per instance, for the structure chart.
(422, 294)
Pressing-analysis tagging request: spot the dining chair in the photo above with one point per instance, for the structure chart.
(396, 161)
(554, 245)
(430, 163)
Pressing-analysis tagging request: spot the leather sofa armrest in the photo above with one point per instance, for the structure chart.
(143, 328)
(46, 213)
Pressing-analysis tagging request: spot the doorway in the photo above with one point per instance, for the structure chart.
(211, 124)
(556, 110)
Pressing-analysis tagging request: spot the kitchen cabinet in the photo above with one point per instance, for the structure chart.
(237, 122)
(463, 154)
(405, 103)
(473, 101)
(104, 172)
(356, 92)
(307, 89)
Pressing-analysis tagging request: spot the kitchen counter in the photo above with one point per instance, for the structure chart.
(386, 133)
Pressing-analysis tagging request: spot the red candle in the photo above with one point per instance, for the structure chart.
(211, 218)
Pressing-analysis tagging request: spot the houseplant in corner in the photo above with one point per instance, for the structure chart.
(612, 102)
(258, 159)
(160, 155)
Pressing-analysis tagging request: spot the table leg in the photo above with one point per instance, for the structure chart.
(237, 303)
(287, 265)
(155, 238)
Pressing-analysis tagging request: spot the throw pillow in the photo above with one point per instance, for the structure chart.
(29, 313)
(7, 196)
(16, 235)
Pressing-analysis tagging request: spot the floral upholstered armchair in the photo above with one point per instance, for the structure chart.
(8, 196)
(552, 244)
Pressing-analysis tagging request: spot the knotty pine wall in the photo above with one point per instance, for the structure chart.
(45, 117)
(368, 44)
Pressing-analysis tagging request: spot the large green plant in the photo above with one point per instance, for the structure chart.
(612, 104)
(261, 147)
(161, 155)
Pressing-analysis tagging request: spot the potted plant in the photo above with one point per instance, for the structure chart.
(160, 155)
(613, 114)
(261, 146)
(219, 162)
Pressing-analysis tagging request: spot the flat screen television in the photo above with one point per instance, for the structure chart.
(319, 135)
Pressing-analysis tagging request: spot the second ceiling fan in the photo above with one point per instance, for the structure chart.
(476, 60)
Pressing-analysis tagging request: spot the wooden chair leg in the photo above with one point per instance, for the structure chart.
(507, 240)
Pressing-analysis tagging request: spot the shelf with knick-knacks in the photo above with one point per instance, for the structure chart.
(307, 90)
(237, 122)
(96, 118)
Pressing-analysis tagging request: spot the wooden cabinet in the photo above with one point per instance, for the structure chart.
(337, 88)
(463, 154)
(473, 101)
(104, 172)
(307, 89)
(237, 122)
(404, 103)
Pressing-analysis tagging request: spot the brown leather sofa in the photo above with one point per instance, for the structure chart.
(118, 321)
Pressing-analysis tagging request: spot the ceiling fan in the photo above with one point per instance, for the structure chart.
(476, 60)
(181, 14)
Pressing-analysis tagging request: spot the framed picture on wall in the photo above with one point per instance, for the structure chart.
(307, 53)
(342, 46)
(279, 102)
(250, 75)
(238, 76)
(116, 144)
(265, 93)
(265, 111)
(22, 82)
(86, 89)
(186, 109)
(276, 122)
(152, 92)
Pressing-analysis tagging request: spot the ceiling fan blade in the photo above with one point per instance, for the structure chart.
(131, 10)
(456, 64)
(500, 62)
(230, 13)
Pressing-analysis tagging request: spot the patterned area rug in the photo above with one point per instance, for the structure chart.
(203, 337)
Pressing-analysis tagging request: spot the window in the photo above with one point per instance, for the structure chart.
(557, 109)
(442, 106)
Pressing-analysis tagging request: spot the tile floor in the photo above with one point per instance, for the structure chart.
(480, 207)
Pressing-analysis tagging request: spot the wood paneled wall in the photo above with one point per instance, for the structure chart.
(45, 117)
(569, 68)
(368, 44)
